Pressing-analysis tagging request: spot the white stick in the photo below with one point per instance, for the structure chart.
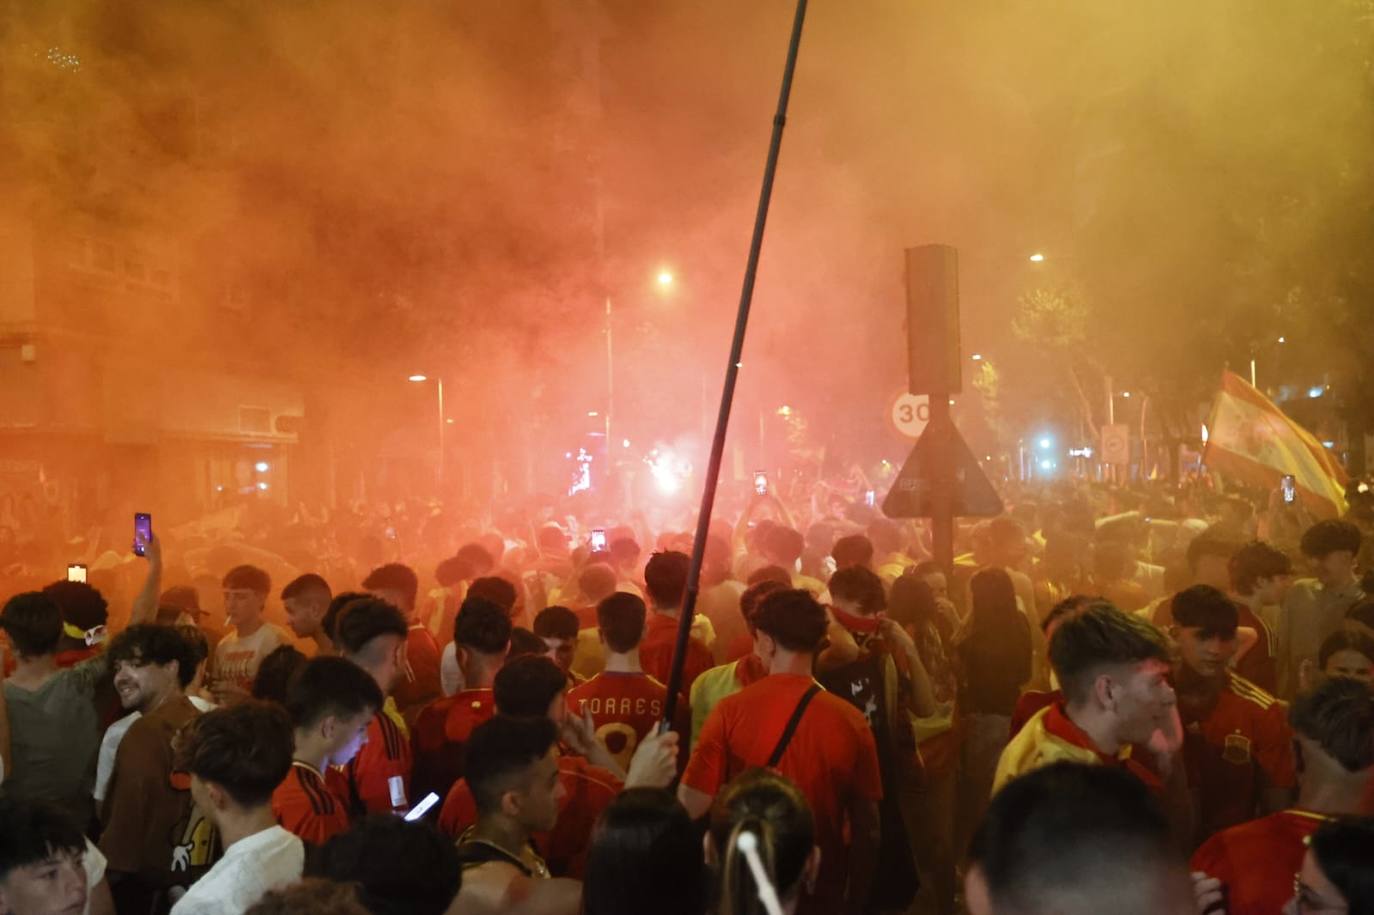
(749, 844)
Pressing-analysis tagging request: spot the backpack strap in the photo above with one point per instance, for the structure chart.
(792, 723)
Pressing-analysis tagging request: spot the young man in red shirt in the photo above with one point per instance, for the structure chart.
(372, 634)
(481, 634)
(331, 702)
(665, 580)
(1237, 745)
(624, 703)
(532, 686)
(1334, 733)
(728, 679)
(787, 722)
(418, 685)
(557, 626)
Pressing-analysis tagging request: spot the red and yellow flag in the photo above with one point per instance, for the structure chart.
(1254, 441)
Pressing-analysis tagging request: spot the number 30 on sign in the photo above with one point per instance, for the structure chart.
(910, 414)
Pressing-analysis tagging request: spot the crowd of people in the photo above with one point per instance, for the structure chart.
(1155, 701)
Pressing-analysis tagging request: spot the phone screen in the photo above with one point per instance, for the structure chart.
(421, 808)
(598, 540)
(761, 482)
(143, 532)
(76, 572)
(1289, 488)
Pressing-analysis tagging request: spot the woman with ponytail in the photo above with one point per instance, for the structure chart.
(762, 813)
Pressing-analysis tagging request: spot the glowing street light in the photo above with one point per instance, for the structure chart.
(977, 357)
(261, 467)
(665, 278)
(1037, 258)
(421, 378)
(1046, 442)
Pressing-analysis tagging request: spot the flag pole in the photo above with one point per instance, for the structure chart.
(727, 396)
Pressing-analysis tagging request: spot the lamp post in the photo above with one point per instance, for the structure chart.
(439, 387)
(665, 280)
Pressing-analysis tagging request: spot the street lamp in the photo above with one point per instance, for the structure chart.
(665, 280)
(1037, 258)
(419, 378)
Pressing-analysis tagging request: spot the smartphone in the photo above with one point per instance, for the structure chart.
(870, 498)
(1288, 486)
(143, 532)
(76, 572)
(422, 808)
(761, 482)
(598, 541)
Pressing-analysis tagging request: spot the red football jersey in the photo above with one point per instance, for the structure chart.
(1257, 860)
(656, 652)
(440, 736)
(378, 778)
(589, 791)
(1244, 734)
(832, 758)
(626, 708)
(1259, 665)
(306, 805)
(419, 682)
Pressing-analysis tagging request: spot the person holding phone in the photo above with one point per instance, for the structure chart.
(54, 728)
(331, 702)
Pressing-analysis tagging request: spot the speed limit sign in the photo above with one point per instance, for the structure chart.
(910, 414)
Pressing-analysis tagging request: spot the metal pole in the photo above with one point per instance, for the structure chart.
(442, 423)
(727, 395)
(942, 481)
(610, 386)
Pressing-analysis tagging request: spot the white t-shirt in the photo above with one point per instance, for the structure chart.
(94, 864)
(109, 747)
(237, 659)
(266, 860)
(450, 674)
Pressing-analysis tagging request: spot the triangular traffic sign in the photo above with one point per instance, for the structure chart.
(911, 493)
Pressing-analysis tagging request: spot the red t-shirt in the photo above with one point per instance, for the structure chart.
(589, 790)
(656, 652)
(1257, 860)
(832, 758)
(440, 736)
(741, 646)
(1245, 733)
(1258, 666)
(418, 684)
(385, 756)
(305, 804)
(626, 708)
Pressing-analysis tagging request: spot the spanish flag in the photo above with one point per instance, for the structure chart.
(1255, 442)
